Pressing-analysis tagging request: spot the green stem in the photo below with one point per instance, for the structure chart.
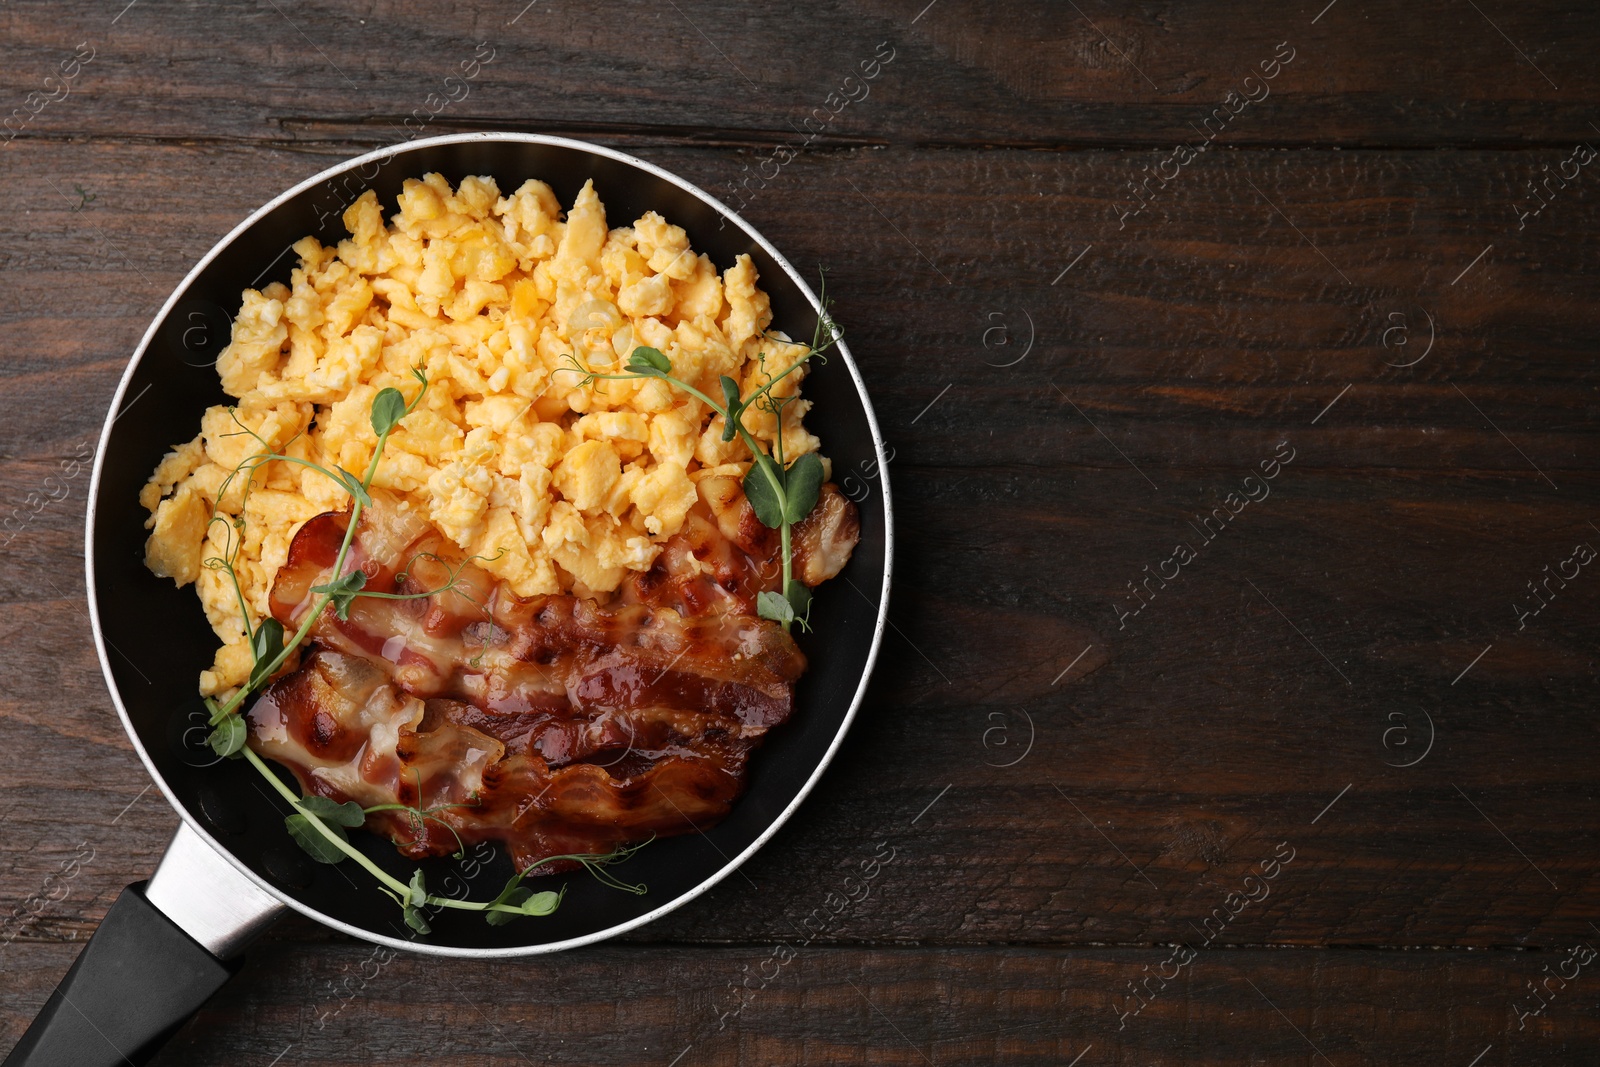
(767, 469)
(692, 391)
(471, 905)
(278, 457)
(322, 604)
(338, 842)
(738, 423)
(277, 661)
(372, 868)
(788, 564)
(356, 854)
(788, 555)
(233, 576)
(765, 389)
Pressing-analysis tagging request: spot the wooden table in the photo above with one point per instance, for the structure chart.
(1317, 786)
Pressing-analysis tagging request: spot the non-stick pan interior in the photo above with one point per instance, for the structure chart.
(157, 640)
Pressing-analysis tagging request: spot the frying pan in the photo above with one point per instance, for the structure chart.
(167, 944)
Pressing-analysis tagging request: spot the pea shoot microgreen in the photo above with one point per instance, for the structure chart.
(781, 494)
(516, 899)
(318, 824)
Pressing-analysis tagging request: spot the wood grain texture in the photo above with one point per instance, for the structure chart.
(1022, 73)
(341, 1003)
(1073, 774)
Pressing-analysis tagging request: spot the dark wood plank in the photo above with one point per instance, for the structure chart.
(1020, 73)
(343, 1003)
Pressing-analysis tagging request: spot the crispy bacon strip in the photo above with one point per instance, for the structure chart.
(552, 724)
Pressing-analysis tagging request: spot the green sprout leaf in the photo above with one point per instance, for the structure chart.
(541, 903)
(514, 894)
(779, 496)
(265, 644)
(524, 900)
(649, 362)
(228, 737)
(311, 840)
(419, 890)
(347, 814)
(802, 484)
(763, 496)
(388, 408)
(730, 394)
(775, 606)
(341, 591)
(799, 596)
(416, 920)
(495, 917)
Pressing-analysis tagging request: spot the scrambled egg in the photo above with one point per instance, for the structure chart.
(559, 485)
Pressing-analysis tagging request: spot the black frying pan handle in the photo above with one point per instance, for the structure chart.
(139, 978)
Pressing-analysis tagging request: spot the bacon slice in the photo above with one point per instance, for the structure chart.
(552, 724)
(824, 539)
